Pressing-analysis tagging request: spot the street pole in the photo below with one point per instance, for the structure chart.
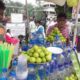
(27, 24)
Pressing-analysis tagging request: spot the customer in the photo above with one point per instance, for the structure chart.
(61, 25)
(32, 26)
(40, 28)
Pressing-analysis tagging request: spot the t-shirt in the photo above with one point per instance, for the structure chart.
(32, 27)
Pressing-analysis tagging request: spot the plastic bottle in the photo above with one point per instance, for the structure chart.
(55, 69)
(57, 42)
(41, 72)
(61, 68)
(4, 74)
(12, 72)
(21, 70)
(31, 72)
(14, 65)
(12, 76)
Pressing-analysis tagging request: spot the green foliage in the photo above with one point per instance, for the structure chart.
(13, 7)
(30, 10)
(65, 9)
(39, 13)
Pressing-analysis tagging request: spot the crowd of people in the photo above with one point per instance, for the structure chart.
(61, 23)
(35, 25)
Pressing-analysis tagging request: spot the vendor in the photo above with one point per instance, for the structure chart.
(2, 29)
(61, 25)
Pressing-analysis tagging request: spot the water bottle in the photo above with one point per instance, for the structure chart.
(12, 73)
(14, 65)
(61, 67)
(4, 74)
(31, 72)
(57, 42)
(68, 63)
(41, 71)
(47, 44)
(55, 70)
(21, 70)
(12, 76)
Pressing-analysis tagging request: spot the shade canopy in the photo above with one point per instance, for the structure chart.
(58, 2)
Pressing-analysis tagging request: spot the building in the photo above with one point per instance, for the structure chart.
(49, 9)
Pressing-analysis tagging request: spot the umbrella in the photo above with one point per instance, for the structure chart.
(61, 3)
(58, 2)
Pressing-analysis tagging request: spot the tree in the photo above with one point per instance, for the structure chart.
(30, 10)
(65, 9)
(39, 14)
(12, 7)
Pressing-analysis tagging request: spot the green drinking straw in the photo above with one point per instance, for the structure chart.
(1, 59)
(6, 52)
(11, 47)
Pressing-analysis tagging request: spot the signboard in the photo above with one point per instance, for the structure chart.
(16, 18)
(16, 29)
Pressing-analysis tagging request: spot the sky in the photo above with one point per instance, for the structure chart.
(23, 1)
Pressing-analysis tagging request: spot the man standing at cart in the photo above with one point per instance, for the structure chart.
(61, 25)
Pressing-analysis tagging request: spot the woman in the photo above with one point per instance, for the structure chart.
(40, 29)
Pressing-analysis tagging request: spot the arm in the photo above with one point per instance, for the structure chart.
(49, 30)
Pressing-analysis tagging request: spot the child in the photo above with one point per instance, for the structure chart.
(61, 25)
